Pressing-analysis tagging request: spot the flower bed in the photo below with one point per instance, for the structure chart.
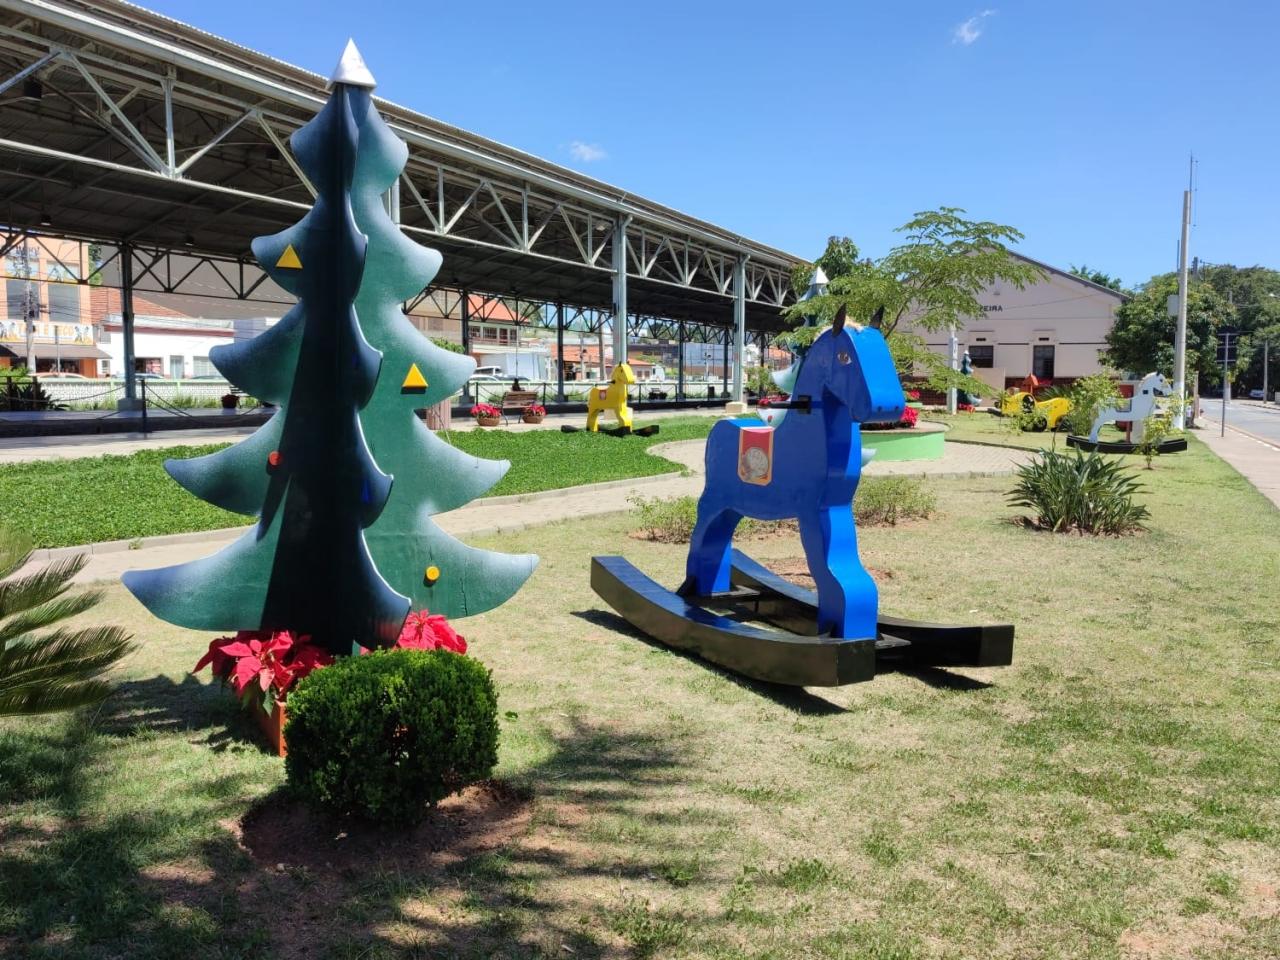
(262, 666)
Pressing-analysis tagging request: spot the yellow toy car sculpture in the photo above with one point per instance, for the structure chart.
(1048, 413)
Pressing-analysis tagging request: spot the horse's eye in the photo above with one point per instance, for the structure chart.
(843, 357)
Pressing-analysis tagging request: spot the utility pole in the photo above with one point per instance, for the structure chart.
(1180, 336)
(953, 346)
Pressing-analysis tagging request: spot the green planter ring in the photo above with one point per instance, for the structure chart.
(924, 441)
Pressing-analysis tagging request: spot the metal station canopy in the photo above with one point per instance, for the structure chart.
(122, 126)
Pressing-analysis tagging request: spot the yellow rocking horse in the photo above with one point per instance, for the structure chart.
(611, 398)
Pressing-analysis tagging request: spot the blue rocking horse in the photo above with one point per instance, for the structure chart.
(807, 468)
(733, 611)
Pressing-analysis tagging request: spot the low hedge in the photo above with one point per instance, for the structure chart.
(386, 735)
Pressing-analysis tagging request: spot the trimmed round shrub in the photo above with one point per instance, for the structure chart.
(388, 734)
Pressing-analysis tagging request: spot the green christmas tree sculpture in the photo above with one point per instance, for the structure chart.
(345, 477)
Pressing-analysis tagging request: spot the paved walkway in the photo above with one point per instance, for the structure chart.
(504, 514)
(1257, 458)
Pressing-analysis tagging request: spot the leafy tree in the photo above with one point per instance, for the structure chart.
(1141, 339)
(1254, 292)
(1098, 277)
(838, 259)
(43, 670)
(933, 279)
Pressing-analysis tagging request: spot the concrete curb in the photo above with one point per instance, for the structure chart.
(46, 554)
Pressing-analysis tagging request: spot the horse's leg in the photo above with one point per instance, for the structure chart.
(707, 569)
(624, 412)
(848, 603)
(593, 414)
(1097, 424)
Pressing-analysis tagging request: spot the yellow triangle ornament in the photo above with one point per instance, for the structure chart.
(414, 380)
(289, 259)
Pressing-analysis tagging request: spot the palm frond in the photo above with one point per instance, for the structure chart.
(57, 669)
(62, 653)
(47, 615)
(52, 697)
(31, 591)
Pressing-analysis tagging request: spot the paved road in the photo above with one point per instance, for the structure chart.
(1260, 420)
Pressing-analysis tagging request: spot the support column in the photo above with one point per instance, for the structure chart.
(680, 361)
(130, 399)
(619, 293)
(560, 397)
(466, 340)
(737, 405)
(724, 385)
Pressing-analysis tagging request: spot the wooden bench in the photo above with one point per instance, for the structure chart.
(517, 401)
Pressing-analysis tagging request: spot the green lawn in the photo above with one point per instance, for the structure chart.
(67, 502)
(982, 427)
(1112, 795)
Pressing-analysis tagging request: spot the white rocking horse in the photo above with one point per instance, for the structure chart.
(1137, 408)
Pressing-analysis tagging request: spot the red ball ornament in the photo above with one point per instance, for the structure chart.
(273, 458)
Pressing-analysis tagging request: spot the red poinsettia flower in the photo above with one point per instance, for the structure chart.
(222, 663)
(424, 630)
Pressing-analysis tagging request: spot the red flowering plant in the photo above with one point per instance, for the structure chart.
(485, 411)
(965, 407)
(909, 417)
(535, 410)
(773, 398)
(430, 631)
(913, 394)
(263, 663)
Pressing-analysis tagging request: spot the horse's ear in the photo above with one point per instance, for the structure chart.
(838, 323)
(877, 319)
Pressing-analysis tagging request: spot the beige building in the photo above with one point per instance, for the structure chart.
(1054, 329)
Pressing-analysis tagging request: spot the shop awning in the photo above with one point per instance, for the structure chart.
(53, 351)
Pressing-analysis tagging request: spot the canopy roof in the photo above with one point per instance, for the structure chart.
(119, 124)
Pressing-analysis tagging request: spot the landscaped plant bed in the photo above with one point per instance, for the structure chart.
(262, 666)
(924, 441)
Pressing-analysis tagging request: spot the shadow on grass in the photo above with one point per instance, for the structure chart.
(798, 699)
(92, 861)
(160, 705)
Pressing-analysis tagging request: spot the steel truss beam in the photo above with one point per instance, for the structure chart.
(175, 114)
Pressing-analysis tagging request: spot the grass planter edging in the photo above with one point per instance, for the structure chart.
(921, 442)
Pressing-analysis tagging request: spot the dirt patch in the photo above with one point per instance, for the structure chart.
(796, 570)
(284, 834)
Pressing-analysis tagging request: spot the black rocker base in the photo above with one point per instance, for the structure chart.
(1172, 445)
(794, 654)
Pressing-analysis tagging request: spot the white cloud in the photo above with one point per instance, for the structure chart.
(971, 29)
(586, 152)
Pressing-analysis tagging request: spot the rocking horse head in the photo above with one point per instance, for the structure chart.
(851, 365)
(622, 373)
(1154, 384)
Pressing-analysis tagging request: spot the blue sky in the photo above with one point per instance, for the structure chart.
(1072, 122)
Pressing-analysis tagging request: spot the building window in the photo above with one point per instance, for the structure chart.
(1042, 361)
(176, 367)
(201, 367)
(148, 365)
(982, 355)
(16, 300)
(104, 368)
(64, 303)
